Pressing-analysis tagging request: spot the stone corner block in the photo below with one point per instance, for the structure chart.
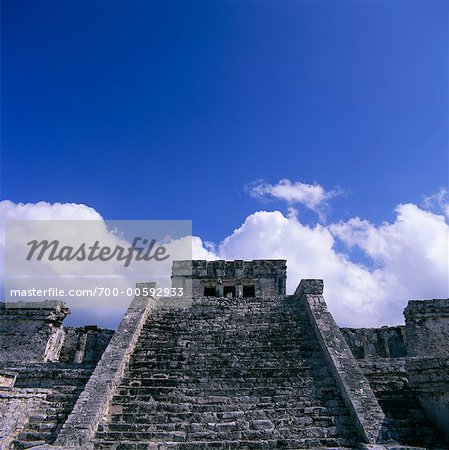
(310, 286)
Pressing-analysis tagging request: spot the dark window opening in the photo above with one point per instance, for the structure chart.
(396, 344)
(229, 290)
(209, 291)
(249, 291)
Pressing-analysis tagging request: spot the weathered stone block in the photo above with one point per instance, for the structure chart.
(427, 327)
(31, 331)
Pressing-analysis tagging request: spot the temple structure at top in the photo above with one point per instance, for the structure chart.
(265, 278)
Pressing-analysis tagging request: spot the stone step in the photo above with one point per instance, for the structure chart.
(214, 399)
(183, 369)
(305, 385)
(33, 435)
(62, 397)
(295, 390)
(230, 325)
(222, 335)
(52, 415)
(219, 401)
(266, 320)
(62, 388)
(222, 395)
(210, 359)
(217, 369)
(305, 415)
(232, 318)
(293, 331)
(282, 339)
(295, 385)
(227, 377)
(266, 323)
(240, 423)
(179, 408)
(256, 444)
(162, 379)
(224, 432)
(262, 310)
(263, 320)
(20, 445)
(181, 343)
(196, 355)
(257, 358)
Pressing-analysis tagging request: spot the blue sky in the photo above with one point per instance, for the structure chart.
(166, 110)
(224, 112)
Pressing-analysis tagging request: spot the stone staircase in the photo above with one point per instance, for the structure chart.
(407, 421)
(227, 374)
(62, 385)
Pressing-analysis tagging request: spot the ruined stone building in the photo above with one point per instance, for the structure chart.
(239, 365)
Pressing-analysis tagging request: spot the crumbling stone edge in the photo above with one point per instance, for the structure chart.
(79, 429)
(354, 387)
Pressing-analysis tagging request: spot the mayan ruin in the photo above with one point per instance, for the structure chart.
(240, 365)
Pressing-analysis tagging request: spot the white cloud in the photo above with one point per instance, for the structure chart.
(74, 225)
(312, 196)
(350, 289)
(438, 202)
(405, 259)
(39, 211)
(409, 260)
(46, 211)
(202, 250)
(412, 253)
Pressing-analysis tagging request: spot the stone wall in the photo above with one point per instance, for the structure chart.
(84, 344)
(427, 327)
(427, 339)
(268, 277)
(60, 382)
(385, 342)
(16, 406)
(407, 421)
(43, 368)
(429, 377)
(31, 331)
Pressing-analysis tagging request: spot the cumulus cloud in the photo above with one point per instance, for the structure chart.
(403, 259)
(411, 255)
(74, 225)
(407, 259)
(312, 196)
(351, 290)
(46, 211)
(39, 211)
